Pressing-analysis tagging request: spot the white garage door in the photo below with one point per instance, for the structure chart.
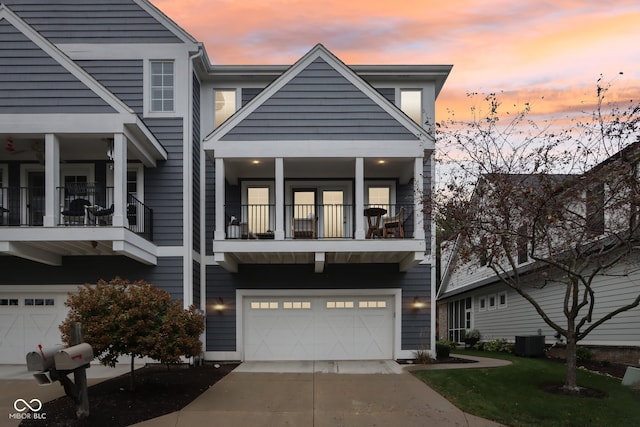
(318, 328)
(27, 320)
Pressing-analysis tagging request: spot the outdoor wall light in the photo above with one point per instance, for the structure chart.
(417, 304)
(219, 305)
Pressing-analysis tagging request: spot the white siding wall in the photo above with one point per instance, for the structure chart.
(519, 317)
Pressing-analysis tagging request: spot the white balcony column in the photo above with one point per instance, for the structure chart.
(418, 215)
(120, 181)
(359, 207)
(279, 226)
(51, 180)
(220, 232)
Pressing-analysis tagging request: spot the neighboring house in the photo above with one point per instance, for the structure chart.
(471, 296)
(239, 189)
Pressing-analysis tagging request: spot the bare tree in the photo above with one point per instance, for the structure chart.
(545, 203)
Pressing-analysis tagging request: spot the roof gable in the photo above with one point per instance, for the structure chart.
(37, 78)
(97, 21)
(319, 98)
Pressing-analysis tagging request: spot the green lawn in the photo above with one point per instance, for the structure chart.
(510, 395)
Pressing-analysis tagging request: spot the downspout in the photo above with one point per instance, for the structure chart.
(188, 188)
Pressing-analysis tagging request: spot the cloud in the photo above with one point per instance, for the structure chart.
(527, 49)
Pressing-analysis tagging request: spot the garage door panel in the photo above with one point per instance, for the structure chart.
(328, 329)
(28, 320)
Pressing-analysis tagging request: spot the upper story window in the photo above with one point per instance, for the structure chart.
(162, 86)
(380, 196)
(411, 104)
(225, 105)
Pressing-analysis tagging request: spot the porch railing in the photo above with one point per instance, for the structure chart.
(330, 221)
(81, 204)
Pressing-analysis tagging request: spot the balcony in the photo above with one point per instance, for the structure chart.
(83, 224)
(320, 234)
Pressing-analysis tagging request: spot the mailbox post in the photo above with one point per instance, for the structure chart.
(55, 364)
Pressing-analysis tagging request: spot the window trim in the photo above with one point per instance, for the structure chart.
(482, 304)
(146, 73)
(500, 295)
(238, 101)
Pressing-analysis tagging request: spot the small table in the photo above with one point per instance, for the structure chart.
(374, 217)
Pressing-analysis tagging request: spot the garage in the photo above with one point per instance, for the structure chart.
(318, 327)
(29, 319)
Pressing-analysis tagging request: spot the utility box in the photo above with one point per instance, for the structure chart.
(530, 345)
(74, 357)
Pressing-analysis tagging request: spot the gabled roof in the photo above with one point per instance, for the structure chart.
(43, 81)
(319, 98)
(98, 21)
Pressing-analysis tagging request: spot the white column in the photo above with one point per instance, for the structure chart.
(279, 226)
(418, 215)
(51, 180)
(359, 213)
(220, 233)
(120, 181)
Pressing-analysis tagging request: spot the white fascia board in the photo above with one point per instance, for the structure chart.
(320, 51)
(66, 62)
(62, 123)
(314, 148)
(121, 51)
(31, 253)
(286, 246)
(145, 143)
(135, 252)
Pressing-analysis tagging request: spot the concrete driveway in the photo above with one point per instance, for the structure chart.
(319, 394)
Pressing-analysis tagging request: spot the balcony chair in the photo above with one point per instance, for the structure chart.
(103, 216)
(76, 213)
(303, 228)
(394, 225)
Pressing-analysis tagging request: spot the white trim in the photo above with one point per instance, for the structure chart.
(392, 292)
(170, 251)
(30, 289)
(388, 149)
(501, 306)
(146, 90)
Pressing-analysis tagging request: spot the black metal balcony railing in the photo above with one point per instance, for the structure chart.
(80, 204)
(331, 221)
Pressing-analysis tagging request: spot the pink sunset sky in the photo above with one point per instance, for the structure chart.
(526, 49)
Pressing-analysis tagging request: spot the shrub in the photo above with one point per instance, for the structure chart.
(443, 348)
(472, 334)
(137, 319)
(583, 354)
(423, 356)
(499, 345)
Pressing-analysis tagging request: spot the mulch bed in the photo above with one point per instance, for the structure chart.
(158, 391)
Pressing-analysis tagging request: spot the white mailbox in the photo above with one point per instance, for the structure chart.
(73, 357)
(41, 360)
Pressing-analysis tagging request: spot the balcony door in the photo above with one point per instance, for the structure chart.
(320, 212)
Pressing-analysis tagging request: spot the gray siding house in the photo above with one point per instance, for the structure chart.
(283, 201)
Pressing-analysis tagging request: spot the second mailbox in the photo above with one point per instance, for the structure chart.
(73, 357)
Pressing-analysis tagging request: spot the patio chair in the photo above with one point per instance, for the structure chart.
(76, 213)
(394, 225)
(103, 216)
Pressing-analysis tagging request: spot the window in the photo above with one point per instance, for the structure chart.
(492, 302)
(459, 318)
(162, 86)
(258, 209)
(265, 305)
(379, 196)
(340, 304)
(372, 304)
(522, 243)
(411, 104)
(502, 300)
(9, 301)
(296, 305)
(225, 105)
(482, 304)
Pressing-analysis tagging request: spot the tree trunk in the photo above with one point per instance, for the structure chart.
(570, 382)
(132, 381)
